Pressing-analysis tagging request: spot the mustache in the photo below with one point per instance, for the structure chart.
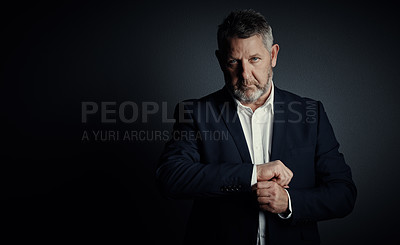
(241, 83)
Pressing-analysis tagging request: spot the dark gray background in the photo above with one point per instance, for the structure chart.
(57, 55)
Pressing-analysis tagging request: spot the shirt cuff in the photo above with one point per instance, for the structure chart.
(289, 214)
(254, 175)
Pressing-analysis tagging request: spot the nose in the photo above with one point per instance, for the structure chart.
(245, 69)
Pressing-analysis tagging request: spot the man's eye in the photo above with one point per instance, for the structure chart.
(255, 59)
(232, 62)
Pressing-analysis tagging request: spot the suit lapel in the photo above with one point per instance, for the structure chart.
(279, 127)
(231, 119)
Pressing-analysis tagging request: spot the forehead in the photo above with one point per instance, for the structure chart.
(245, 46)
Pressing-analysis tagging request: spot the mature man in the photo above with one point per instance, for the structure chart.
(277, 172)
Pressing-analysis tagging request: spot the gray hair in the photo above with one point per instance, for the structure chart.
(244, 24)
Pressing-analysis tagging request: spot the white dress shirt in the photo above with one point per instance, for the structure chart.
(257, 127)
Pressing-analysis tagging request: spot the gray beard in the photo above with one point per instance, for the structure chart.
(241, 95)
(240, 92)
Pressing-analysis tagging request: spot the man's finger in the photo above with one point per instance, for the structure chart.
(264, 200)
(283, 180)
(264, 184)
(266, 207)
(264, 192)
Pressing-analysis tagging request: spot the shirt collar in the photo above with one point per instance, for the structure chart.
(268, 103)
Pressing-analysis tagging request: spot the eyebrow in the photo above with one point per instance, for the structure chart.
(255, 55)
(251, 56)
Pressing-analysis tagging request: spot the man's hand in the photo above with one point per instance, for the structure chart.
(275, 171)
(272, 197)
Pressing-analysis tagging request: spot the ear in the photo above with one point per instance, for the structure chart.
(220, 58)
(274, 54)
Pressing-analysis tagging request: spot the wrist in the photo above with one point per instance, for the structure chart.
(288, 213)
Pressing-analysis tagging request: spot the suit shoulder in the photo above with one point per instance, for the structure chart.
(289, 96)
(213, 98)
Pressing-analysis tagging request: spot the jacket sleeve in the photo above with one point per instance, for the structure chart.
(181, 173)
(335, 193)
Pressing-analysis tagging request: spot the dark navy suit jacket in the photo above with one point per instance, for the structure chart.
(207, 160)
